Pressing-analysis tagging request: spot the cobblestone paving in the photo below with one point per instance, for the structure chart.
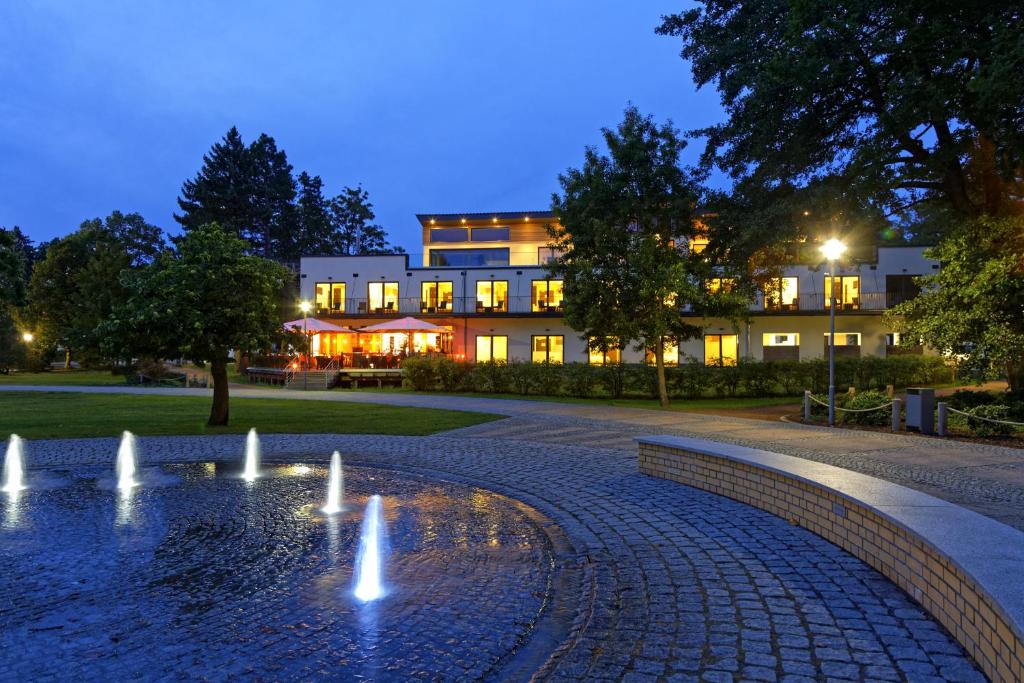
(666, 582)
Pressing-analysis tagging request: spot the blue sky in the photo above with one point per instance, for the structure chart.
(439, 106)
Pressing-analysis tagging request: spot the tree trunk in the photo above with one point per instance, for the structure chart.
(1015, 375)
(659, 361)
(67, 357)
(219, 409)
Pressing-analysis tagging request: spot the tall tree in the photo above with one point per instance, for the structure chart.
(907, 109)
(13, 263)
(356, 234)
(624, 220)
(973, 308)
(313, 233)
(201, 301)
(274, 192)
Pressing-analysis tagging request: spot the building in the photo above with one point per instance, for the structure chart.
(482, 278)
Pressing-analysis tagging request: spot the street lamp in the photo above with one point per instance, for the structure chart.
(27, 337)
(832, 250)
(305, 307)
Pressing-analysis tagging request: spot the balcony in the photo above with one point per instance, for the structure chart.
(510, 305)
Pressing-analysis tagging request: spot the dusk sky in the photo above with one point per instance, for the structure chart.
(434, 107)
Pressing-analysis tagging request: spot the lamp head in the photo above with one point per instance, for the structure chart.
(27, 337)
(305, 306)
(833, 249)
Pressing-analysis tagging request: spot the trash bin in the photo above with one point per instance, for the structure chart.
(921, 410)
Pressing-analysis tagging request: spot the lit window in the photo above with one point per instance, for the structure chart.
(469, 258)
(847, 291)
(845, 339)
(492, 296)
(720, 284)
(782, 294)
(330, 297)
(774, 339)
(491, 348)
(596, 356)
(671, 353)
(699, 243)
(383, 297)
(546, 255)
(546, 348)
(721, 349)
(436, 297)
(546, 296)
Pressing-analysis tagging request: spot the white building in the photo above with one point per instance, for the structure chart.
(481, 276)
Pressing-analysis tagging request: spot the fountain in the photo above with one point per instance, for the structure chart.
(335, 487)
(125, 464)
(369, 567)
(14, 465)
(252, 456)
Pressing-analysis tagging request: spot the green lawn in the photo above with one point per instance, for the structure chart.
(42, 415)
(742, 403)
(64, 378)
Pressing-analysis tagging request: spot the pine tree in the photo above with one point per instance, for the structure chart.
(222, 191)
(355, 232)
(313, 233)
(274, 192)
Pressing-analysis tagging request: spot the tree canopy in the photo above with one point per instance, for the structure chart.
(861, 114)
(201, 301)
(625, 219)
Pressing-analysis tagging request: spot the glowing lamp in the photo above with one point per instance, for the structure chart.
(833, 249)
(27, 337)
(305, 306)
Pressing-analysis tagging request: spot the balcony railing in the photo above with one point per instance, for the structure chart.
(524, 304)
(816, 302)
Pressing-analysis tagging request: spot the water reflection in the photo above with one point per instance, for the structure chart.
(125, 509)
(12, 513)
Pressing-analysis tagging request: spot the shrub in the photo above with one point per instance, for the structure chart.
(580, 379)
(613, 377)
(692, 379)
(643, 379)
(990, 412)
(757, 379)
(792, 376)
(727, 380)
(493, 377)
(419, 374)
(864, 401)
(451, 374)
(549, 378)
(965, 399)
(522, 377)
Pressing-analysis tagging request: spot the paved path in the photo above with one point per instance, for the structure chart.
(668, 582)
(988, 479)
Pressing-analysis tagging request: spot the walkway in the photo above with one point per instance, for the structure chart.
(985, 478)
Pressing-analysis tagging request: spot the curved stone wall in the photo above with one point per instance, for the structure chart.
(965, 569)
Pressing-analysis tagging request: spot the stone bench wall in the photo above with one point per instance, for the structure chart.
(966, 570)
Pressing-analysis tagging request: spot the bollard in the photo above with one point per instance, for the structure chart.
(896, 403)
(943, 415)
(807, 405)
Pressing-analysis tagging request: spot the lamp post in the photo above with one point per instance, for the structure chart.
(832, 250)
(305, 307)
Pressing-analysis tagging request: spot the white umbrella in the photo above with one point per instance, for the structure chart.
(408, 324)
(314, 326)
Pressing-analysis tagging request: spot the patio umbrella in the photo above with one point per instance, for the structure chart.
(408, 324)
(314, 326)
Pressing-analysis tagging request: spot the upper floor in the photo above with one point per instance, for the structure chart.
(476, 240)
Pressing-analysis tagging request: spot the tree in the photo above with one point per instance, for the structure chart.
(355, 232)
(973, 308)
(624, 220)
(313, 232)
(247, 190)
(903, 111)
(12, 295)
(204, 299)
(73, 289)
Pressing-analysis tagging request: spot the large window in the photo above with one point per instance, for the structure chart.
(720, 284)
(671, 350)
(468, 258)
(847, 291)
(330, 297)
(546, 296)
(491, 348)
(492, 296)
(699, 243)
(781, 345)
(436, 297)
(721, 349)
(782, 294)
(449, 235)
(490, 234)
(595, 356)
(383, 297)
(546, 348)
(546, 255)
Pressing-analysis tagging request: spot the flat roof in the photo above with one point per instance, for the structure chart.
(500, 215)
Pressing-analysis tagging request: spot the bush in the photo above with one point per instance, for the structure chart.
(419, 374)
(549, 378)
(580, 379)
(692, 379)
(757, 379)
(727, 380)
(864, 401)
(792, 376)
(613, 377)
(492, 377)
(450, 374)
(990, 412)
(522, 377)
(643, 379)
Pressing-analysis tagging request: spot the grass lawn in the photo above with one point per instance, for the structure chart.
(40, 415)
(64, 378)
(683, 404)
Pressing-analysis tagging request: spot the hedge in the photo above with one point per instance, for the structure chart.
(689, 380)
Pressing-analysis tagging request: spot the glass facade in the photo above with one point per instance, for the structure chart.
(468, 258)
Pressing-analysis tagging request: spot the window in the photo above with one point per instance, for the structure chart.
(383, 297)
(546, 296)
(468, 258)
(720, 284)
(435, 297)
(721, 349)
(449, 235)
(491, 348)
(900, 288)
(845, 339)
(330, 297)
(546, 348)
(847, 291)
(780, 346)
(490, 234)
(699, 243)
(595, 356)
(782, 294)
(671, 353)
(492, 296)
(546, 255)
(773, 339)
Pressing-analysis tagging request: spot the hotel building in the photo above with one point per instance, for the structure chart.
(481, 278)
